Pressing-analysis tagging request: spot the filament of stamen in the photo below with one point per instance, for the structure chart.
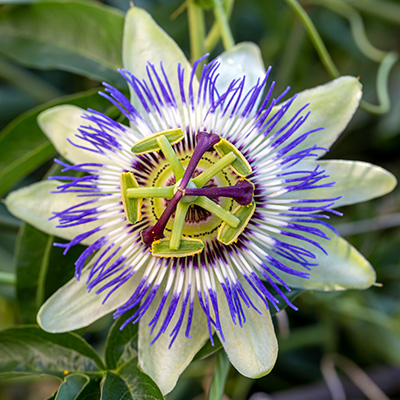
(166, 192)
(179, 223)
(152, 233)
(172, 158)
(209, 173)
(217, 210)
(205, 142)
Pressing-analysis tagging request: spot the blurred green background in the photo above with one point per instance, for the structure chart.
(354, 333)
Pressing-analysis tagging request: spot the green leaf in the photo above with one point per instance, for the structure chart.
(219, 379)
(27, 350)
(129, 383)
(35, 280)
(114, 387)
(23, 146)
(83, 37)
(72, 386)
(31, 263)
(121, 345)
(91, 391)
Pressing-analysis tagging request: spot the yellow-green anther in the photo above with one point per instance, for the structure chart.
(240, 165)
(166, 192)
(210, 172)
(227, 234)
(188, 247)
(217, 210)
(170, 155)
(149, 143)
(179, 222)
(131, 206)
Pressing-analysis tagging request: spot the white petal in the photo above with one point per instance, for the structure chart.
(61, 123)
(34, 204)
(242, 59)
(144, 41)
(332, 106)
(72, 307)
(356, 181)
(343, 268)
(253, 348)
(166, 365)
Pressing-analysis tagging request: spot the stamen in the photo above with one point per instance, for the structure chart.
(209, 173)
(152, 233)
(179, 222)
(172, 158)
(228, 234)
(150, 143)
(240, 165)
(131, 207)
(218, 211)
(188, 247)
(166, 192)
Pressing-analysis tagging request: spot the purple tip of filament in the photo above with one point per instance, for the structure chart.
(152, 233)
(242, 192)
(205, 142)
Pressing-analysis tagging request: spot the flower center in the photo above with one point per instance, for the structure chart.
(190, 191)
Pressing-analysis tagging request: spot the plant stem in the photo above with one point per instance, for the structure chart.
(386, 64)
(382, 86)
(196, 32)
(315, 38)
(223, 24)
(214, 34)
(387, 10)
(356, 24)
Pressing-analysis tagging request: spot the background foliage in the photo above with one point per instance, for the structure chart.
(59, 51)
